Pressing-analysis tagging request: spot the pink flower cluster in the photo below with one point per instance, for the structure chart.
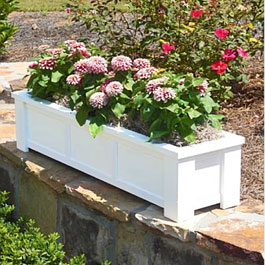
(164, 94)
(98, 100)
(55, 51)
(77, 47)
(47, 63)
(33, 64)
(114, 88)
(141, 63)
(153, 84)
(73, 79)
(97, 65)
(121, 63)
(93, 65)
(145, 73)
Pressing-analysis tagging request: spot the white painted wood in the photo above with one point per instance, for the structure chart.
(21, 125)
(230, 179)
(180, 180)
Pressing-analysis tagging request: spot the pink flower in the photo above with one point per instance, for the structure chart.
(84, 52)
(33, 65)
(229, 55)
(181, 81)
(76, 45)
(164, 94)
(219, 66)
(98, 100)
(81, 66)
(153, 84)
(114, 89)
(221, 33)
(47, 63)
(202, 88)
(68, 10)
(97, 65)
(44, 47)
(121, 63)
(242, 53)
(196, 13)
(166, 47)
(106, 82)
(70, 42)
(55, 51)
(145, 73)
(141, 63)
(74, 79)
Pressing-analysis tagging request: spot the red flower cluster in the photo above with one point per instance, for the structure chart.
(221, 33)
(219, 66)
(196, 13)
(166, 47)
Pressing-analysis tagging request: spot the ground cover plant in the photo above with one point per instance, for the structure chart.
(7, 30)
(213, 39)
(167, 102)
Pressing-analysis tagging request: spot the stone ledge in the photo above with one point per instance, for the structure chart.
(119, 205)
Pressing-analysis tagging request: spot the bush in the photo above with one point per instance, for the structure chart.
(7, 30)
(189, 27)
(22, 243)
(166, 102)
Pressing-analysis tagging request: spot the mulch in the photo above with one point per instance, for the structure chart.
(244, 114)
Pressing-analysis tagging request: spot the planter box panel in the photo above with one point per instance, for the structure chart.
(98, 153)
(179, 179)
(46, 130)
(142, 169)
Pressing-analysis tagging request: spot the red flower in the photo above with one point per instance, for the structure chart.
(196, 13)
(167, 47)
(242, 53)
(229, 55)
(221, 33)
(219, 66)
(68, 10)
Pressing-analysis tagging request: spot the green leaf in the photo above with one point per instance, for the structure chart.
(215, 120)
(118, 109)
(208, 103)
(197, 81)
(129, 84)
(75, 96)
(56, 76)
(147, 112)
(194, 113)
(82, 115)
(158, 134)
(96, 125)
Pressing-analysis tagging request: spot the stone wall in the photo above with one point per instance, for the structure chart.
(103, 222)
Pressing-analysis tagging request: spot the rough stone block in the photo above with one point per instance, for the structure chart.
(170, 252)
(85, 232)
(39, 202)
(7, 184)
(132, 245)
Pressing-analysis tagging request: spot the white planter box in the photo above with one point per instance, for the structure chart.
(178, 179)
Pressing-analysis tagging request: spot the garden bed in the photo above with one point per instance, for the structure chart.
(244, 114)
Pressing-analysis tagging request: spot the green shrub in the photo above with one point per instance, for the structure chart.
(7, 30)
(187, 25)
(166, 102)
(22, 243)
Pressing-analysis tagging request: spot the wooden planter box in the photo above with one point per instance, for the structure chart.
(178, 179)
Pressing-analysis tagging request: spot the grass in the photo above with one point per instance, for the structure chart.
(48, 5)
(41, 5)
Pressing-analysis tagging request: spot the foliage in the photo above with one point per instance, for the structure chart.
(189, 25)
(165, 101)
(7, 30)
(22, 243)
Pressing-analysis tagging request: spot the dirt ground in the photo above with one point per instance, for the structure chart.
(245, 113)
